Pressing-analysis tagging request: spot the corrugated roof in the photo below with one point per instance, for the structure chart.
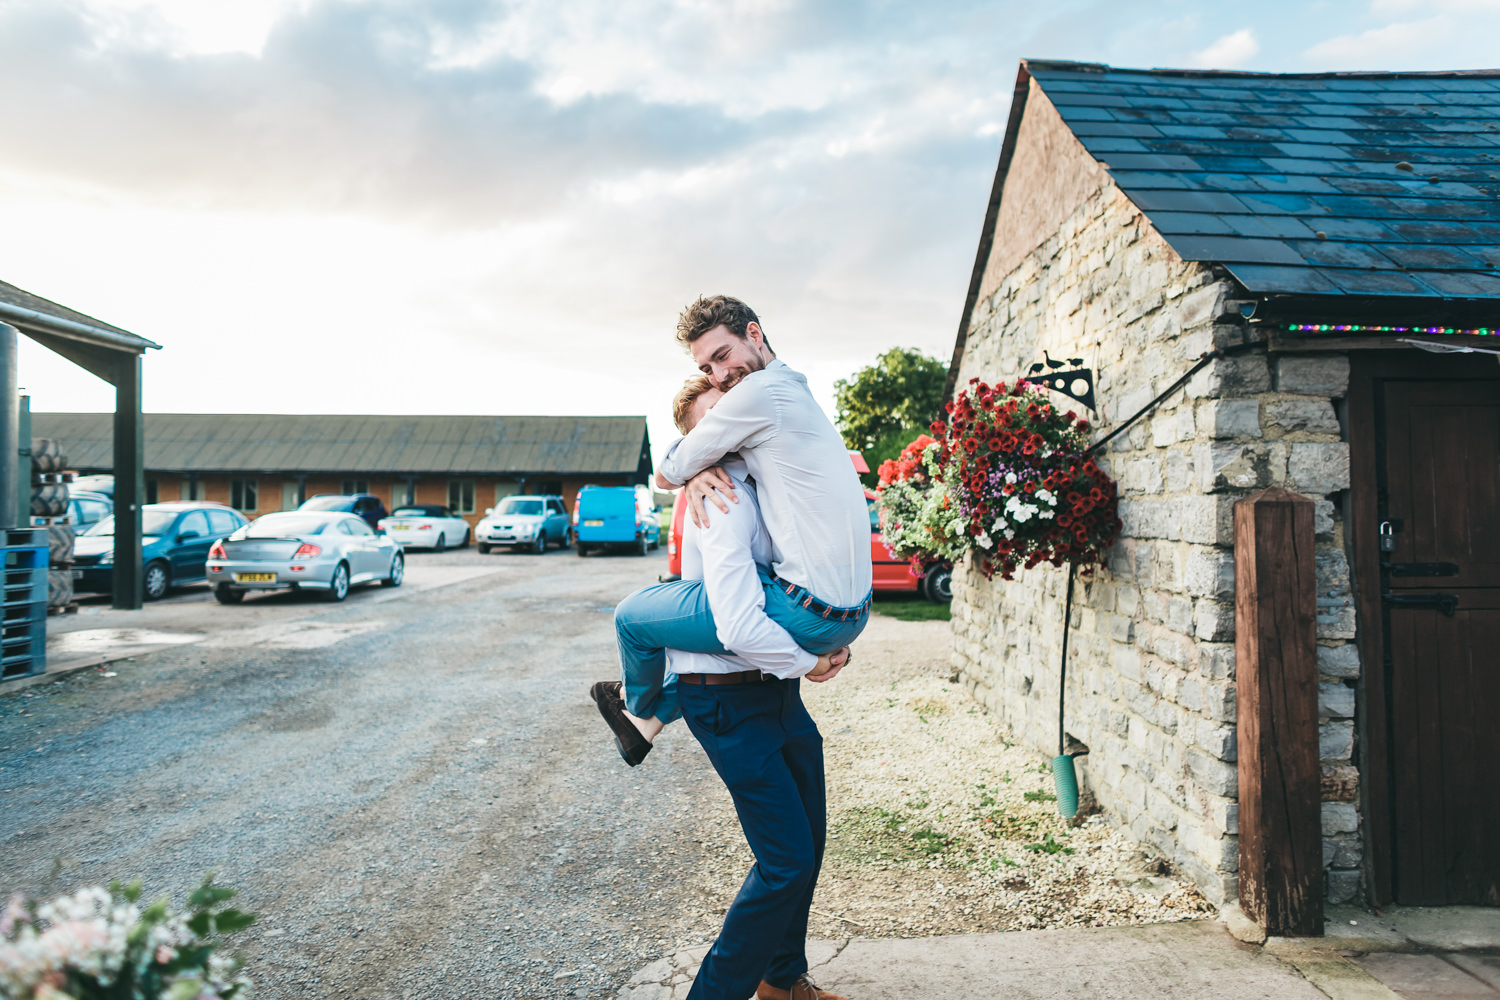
(1382, 184)
(220, 442)
(11, 295)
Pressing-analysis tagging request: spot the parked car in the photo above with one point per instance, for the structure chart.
(101, 483)
(174, 546)
(527, 523)
(87, 509)
(674, 542)
(327, 550)
(366, 505)
(615, 517)
(892, 574)
(427, 526)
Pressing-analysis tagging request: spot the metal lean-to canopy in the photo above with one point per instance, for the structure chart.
(61, 328)
(114, 355)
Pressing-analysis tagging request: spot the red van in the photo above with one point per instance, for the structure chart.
(890, 574)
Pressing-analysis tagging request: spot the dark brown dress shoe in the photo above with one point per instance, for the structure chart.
(802, 989)
(632, 745)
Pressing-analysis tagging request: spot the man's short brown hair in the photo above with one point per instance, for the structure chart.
(712, 311)
(682, 406)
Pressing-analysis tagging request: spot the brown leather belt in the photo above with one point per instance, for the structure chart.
(741, 677)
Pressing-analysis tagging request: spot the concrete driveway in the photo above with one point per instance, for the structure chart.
(411, 787)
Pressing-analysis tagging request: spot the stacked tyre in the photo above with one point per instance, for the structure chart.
(49, 509)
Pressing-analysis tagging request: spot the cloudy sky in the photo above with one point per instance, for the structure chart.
(499, 206)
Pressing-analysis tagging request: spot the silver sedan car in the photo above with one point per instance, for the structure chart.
(329, 551)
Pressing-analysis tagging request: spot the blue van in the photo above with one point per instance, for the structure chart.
(615, 517)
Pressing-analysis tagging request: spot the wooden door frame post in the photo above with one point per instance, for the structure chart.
(1276, 677)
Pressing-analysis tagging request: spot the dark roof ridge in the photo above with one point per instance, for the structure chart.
(1065, 65)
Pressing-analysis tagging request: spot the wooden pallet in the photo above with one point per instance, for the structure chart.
(44, 522)
(50, 478)
(66, 609)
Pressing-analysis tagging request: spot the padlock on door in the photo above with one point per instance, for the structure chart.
(1387, 537)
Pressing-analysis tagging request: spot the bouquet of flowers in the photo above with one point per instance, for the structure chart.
(1019, 473)
(97, 944)
(917, 519)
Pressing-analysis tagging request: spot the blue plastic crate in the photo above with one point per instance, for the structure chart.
(23, 604)
(23, 649)
(25, 584)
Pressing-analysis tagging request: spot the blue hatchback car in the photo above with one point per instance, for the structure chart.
(174, 546)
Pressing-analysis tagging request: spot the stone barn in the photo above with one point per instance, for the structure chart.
(1326, 247)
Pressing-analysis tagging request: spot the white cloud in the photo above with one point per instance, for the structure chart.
(1392, 47)
(1229, 52)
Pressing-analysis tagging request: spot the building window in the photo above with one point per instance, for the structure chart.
(550, 487)
(403, 495)
(289, 496)
(461, 496)
(356, 486)
(242, 494)
(151, 491)
(191, 490)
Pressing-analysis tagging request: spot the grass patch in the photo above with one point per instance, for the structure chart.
(912, 609)
(1049, 846)
(1040, 797)
(875, 834)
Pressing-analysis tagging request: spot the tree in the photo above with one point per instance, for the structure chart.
(885, 406)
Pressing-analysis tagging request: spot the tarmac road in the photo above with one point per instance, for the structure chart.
(411, 788)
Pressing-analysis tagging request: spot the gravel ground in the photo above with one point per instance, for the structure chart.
(415, 794)
(937, 824)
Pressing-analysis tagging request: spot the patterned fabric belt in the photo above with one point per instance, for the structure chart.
(817, 607)
(739, 677)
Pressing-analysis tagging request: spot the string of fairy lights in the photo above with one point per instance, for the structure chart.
(1477, 331)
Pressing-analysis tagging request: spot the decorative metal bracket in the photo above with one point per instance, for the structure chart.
(1076, 383)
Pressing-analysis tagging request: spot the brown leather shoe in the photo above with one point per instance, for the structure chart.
(632, 745)
(802, 989)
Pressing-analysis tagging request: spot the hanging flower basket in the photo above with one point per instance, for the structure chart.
(1018, 473)
(917, 519)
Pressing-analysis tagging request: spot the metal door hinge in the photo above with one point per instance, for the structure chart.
(1446, 603)
(1424, 569)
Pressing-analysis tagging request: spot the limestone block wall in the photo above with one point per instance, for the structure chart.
(1150, 686)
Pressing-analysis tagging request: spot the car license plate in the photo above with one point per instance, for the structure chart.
(593, 524)
(255, 578)
(400, 527)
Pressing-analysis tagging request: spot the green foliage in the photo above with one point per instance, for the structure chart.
(1049, 846)
(1040, 797)
(888, 446)
(121, 950)
(903, 389)
(913, 609)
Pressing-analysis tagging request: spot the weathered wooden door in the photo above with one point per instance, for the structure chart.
(1440, 499)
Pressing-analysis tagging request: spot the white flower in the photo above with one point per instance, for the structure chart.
(984, 540)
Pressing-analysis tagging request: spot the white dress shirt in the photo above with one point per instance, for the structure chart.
(724, 557)
(809, 492)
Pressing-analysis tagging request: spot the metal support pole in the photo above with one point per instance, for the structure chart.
(130, 482)
(13, 478)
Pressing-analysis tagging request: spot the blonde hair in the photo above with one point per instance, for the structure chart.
(682, 406)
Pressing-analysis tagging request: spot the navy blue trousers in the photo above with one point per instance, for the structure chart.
(769, 752)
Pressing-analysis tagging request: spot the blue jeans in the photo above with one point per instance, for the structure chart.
(676, 615)
(769, 753)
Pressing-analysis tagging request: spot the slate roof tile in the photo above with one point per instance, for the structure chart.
(1285, 279)
(1322, 184)
(1382, 282)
